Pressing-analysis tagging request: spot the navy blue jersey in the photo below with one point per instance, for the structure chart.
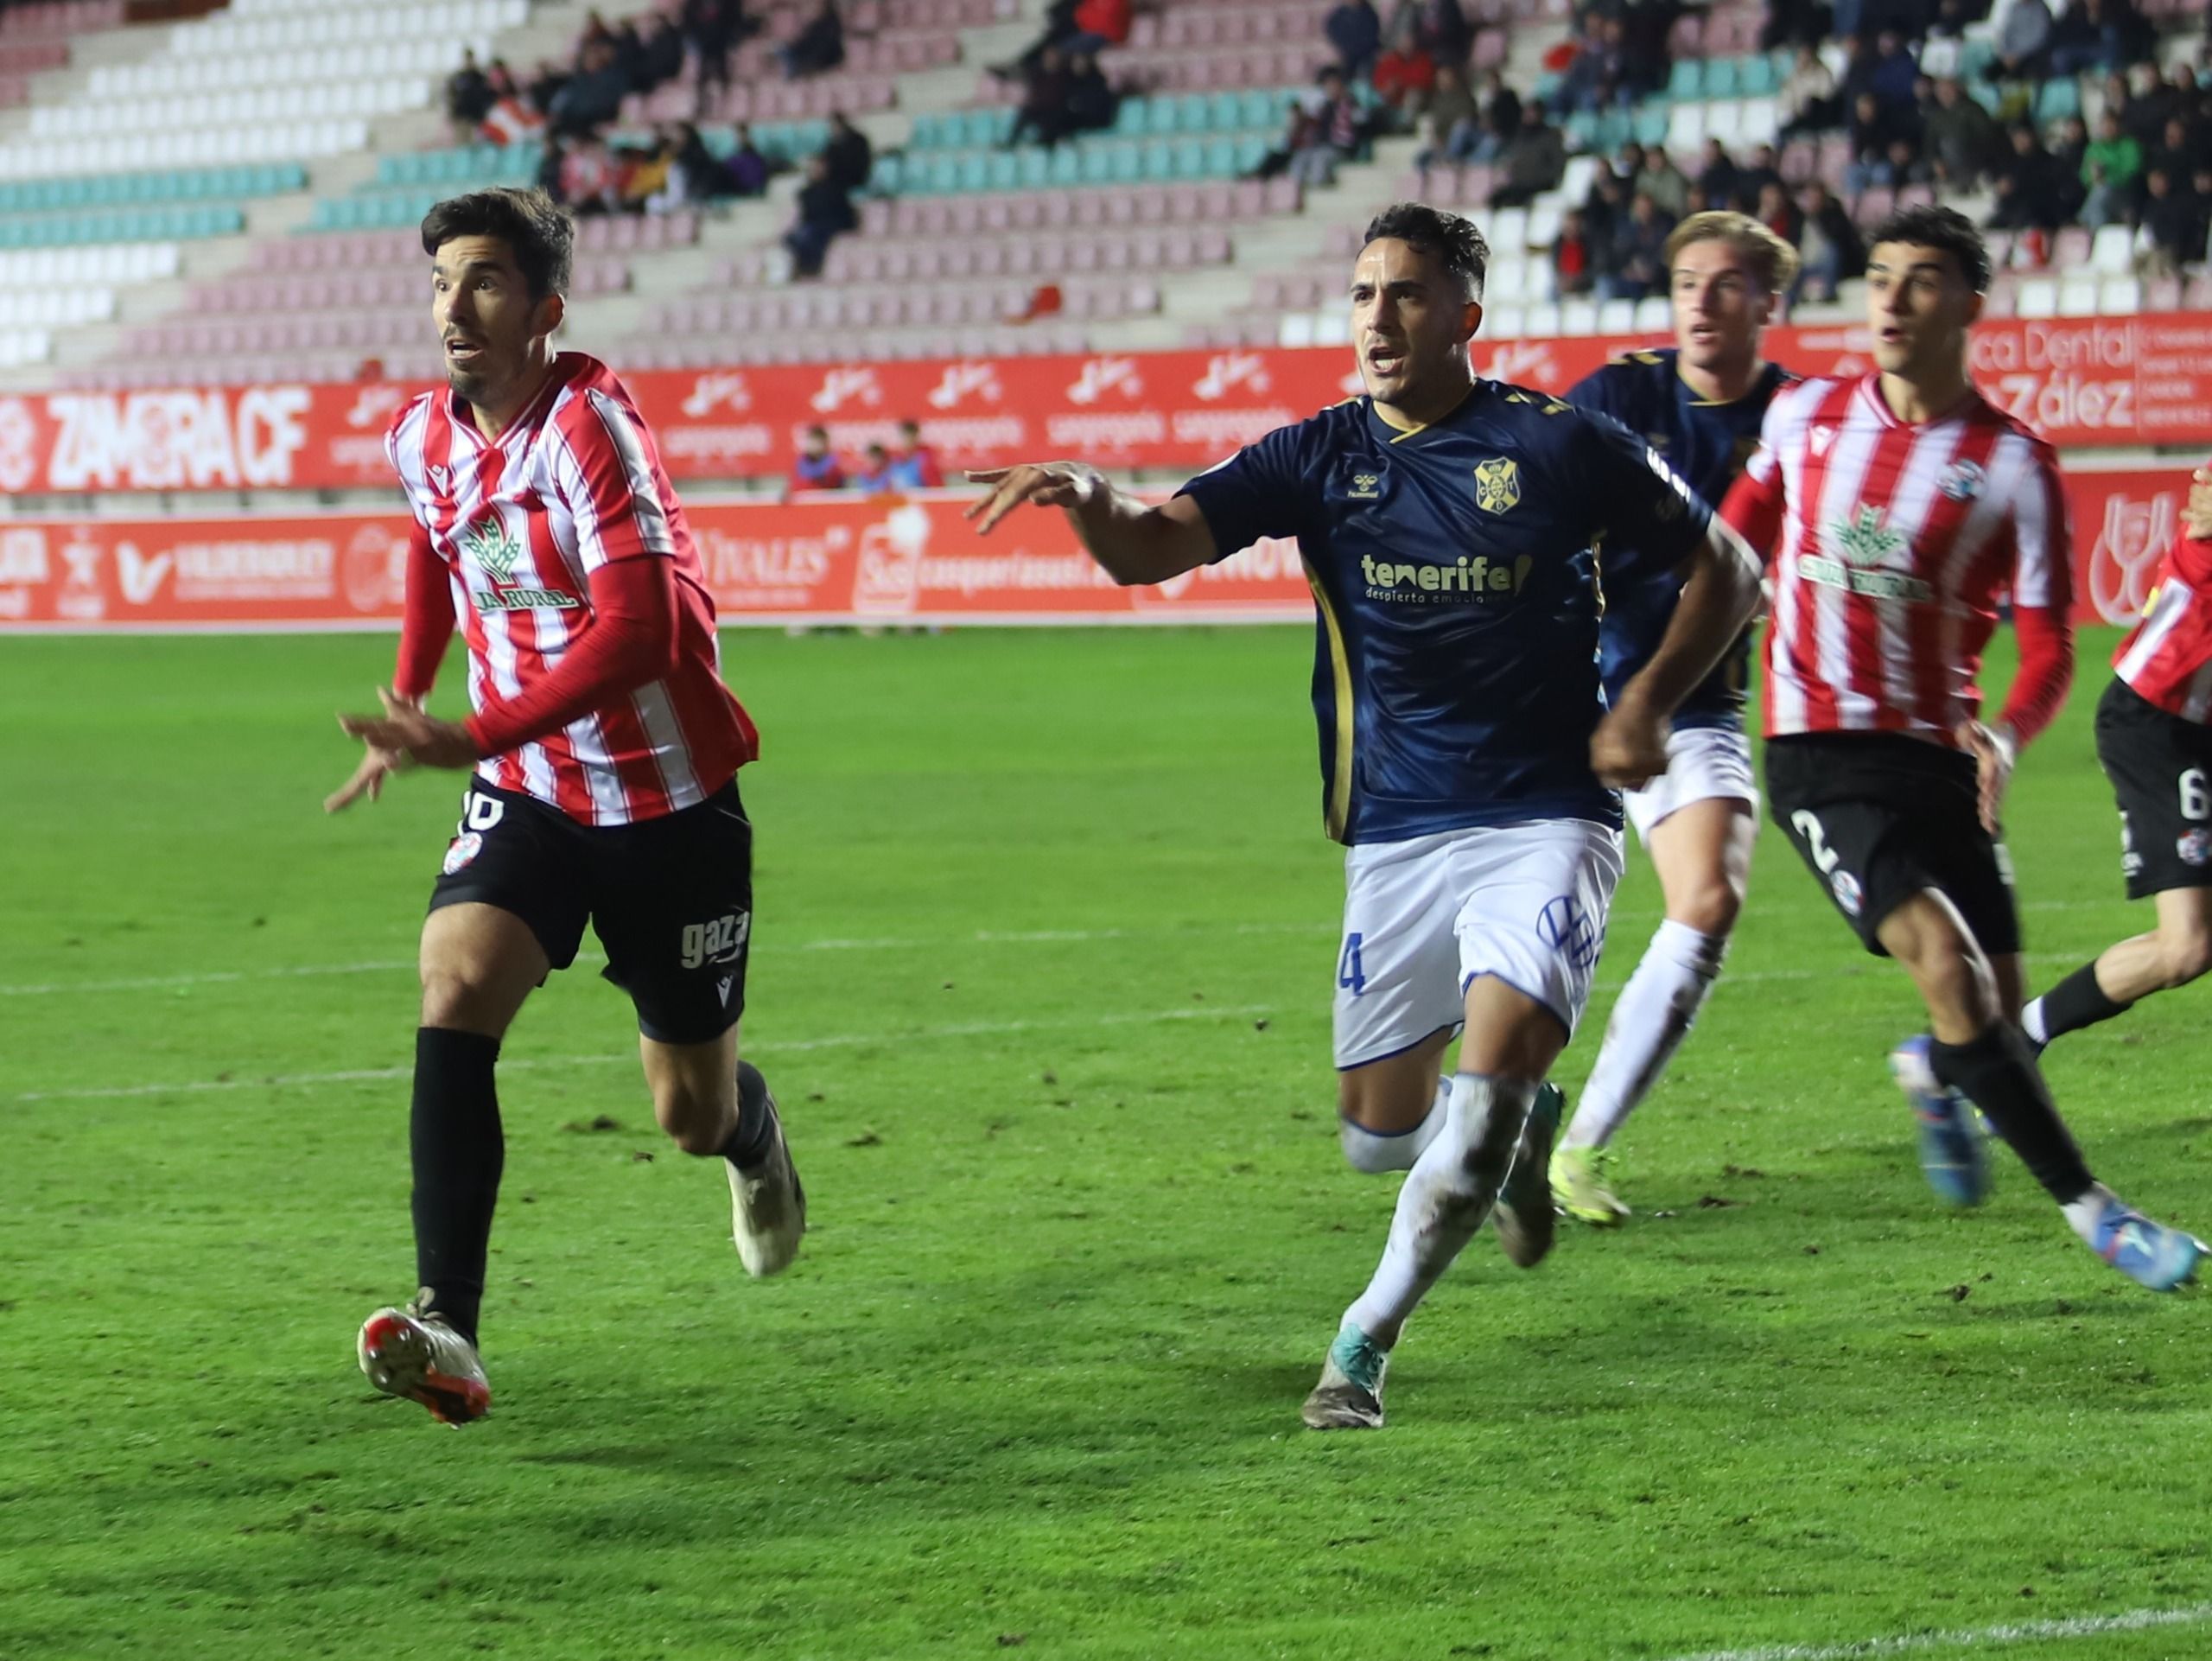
(1707, 443)
(1454, 570)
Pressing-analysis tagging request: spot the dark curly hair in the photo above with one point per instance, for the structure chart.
(1454, 242)
(529, 222)
(1945, 229)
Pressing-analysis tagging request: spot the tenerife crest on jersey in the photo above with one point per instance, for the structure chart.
(1498, 484)
(497, 551)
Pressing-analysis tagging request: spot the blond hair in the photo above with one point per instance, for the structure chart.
(1773, 259)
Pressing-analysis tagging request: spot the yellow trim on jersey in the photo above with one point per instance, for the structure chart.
(1404, 432)
(1722, 403)
(1339, 809)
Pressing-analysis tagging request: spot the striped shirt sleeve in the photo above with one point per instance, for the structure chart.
(609, 483)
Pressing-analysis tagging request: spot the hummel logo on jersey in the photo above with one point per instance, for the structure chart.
(1365, 487)
(498, 550)
(1497, 484)
(1864, 543)
(1476, 577)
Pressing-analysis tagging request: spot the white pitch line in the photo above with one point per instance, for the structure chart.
(1975, 1638)
(832, 1042)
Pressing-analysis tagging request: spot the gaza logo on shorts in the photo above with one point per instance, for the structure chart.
(463, 849)
(2194, 846)
(497, 550)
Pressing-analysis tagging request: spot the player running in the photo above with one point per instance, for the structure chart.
(1699, 405)
(605, 747)
(2154, 738)
(1899, 504)
(1448, 525)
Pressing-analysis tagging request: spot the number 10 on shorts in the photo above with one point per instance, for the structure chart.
(1349, 973)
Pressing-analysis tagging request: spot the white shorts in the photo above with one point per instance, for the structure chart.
(1425, 917)
(1703, 764)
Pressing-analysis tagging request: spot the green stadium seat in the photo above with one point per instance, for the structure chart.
(883, 176)
(1758, 77)
(1650, 125)
(2059, 99)
(1132, 116)
(1220, 159)
(1067, 167)
(974, 173)
(1036, 168)
(1003, 170)
(1258, 110)
(1225, 112)
(1251, 152)
(1687, 79)
(1721, 77)
(1098, 164)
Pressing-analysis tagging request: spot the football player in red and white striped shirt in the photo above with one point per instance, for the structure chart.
(605, 748)
(1897, 507)
(2154, 737)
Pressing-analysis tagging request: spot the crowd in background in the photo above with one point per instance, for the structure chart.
(879, 471)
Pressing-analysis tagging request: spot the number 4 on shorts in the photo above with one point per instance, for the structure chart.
(1349, 972)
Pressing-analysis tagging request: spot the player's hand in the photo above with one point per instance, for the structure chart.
(1994, 749)
(367, 780)
(2196, 514)
(1628, 749)
(1048, 484)
(404, 730)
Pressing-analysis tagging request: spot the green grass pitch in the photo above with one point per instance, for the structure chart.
(1044, 952)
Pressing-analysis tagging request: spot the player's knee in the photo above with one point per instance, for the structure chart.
(453, 997)
(697, 1120)
(1711, 906)
(2185, 956)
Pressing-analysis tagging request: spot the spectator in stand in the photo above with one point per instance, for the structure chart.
(816, 466)
(825, 213)
(1895, 76)
(593, 96)
(1830, 250)
(2172, 227)
(545, 86)
(2152, 102)
(1667, 185)
(2030, 195)
(1645, 27)
(1605, 206)
(819, 45)
(915, 467)
(1042, 117)
(1534, 162)
(2175, 151)
(1092, 102)
(1808, 102)
(1453, 120)
(1962, 136)
(1942, 51)
(660, 53)
(711, 30)
(875, 477)
(1573, 256)
(1763, 169)
(2023, 42)
(1593, 79)
(1874, 127)
(1405, 77)
(2118, 158)
(693, 175)
(746, 168)
(851, 157)
(1717, 176)
(1906, 163)
(1335, 134)
(2100, 34)
(1440, 26)
(2070, 157)
(1778, 213)
(469, 98)
(1799, 23)
(1099, 24)
(629, 54)
(1635, 263)
(1354, 31)
(512, 118)
(590, 181)
(2101, 204)
(1501, 115)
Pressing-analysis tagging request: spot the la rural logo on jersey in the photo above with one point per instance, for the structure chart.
(1864, 545)
(496, 552)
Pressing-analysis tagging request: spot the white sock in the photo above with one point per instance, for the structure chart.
(2082, 1214)
(1376, 1151)
(1655, 1013)
(1444, 1199)
(2031, 1023)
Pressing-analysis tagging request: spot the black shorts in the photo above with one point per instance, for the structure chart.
(670, 898)
(1877, 817)
(2161, 771)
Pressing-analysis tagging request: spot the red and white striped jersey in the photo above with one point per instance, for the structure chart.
(521, 524)
(1891, 542)
(2168, 659)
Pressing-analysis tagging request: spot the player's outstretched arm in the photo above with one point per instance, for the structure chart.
(1133, 542)
(1628, 749)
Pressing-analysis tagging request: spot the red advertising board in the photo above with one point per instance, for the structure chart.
(2084, 383)
(849, 559)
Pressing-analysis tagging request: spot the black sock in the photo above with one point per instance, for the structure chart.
(453, 1133)
(1997, 1072)
(756, 1120)
(2076, 1002)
